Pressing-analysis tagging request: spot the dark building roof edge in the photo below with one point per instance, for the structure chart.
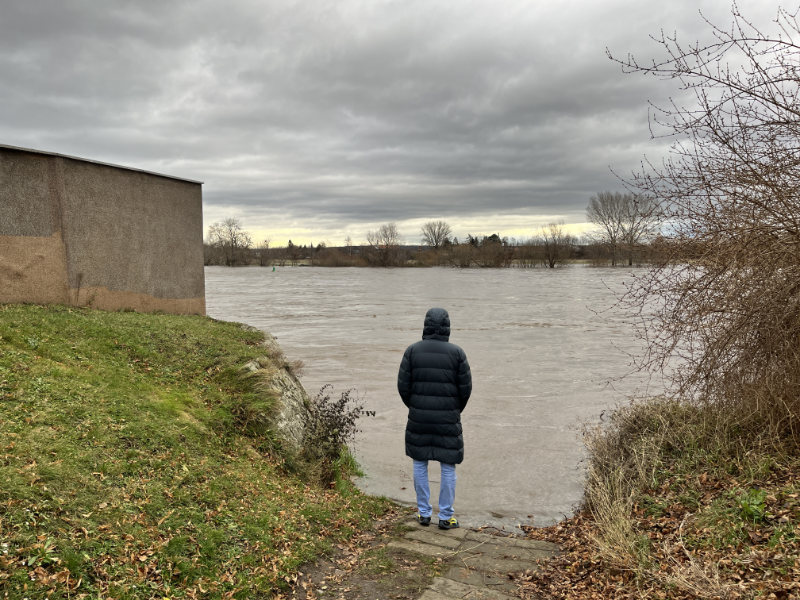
(96, 162)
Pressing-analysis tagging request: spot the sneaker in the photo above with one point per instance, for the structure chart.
(451, 523)
(424, 521)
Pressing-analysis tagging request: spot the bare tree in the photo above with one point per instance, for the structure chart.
(294, 253)
(606, 210)
(263, 253)
(435, 234)
(234, 241)
(623, 220)
(384, 243)
(727, 297)
(556, 244)
(640, 223)
(385, 235)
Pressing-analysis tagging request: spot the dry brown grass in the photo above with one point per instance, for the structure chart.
(647, 443)
(682, 501)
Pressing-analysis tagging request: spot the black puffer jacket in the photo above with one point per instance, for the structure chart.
(435, 383)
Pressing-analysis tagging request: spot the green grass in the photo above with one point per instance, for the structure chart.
(137, 461)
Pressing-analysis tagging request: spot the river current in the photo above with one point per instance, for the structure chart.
(545, 346)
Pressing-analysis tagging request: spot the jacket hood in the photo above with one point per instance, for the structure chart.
(437, 325)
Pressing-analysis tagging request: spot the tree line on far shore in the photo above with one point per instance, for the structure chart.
(627, 232)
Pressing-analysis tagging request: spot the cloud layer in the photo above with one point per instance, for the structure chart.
(324, 119)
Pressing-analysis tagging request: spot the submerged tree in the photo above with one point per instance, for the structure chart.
(231, 240)
(730, 193)
(556, 244)
(624, 221)
(605, 210)
(263, 252)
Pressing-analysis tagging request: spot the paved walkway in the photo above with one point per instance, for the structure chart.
(476, 565)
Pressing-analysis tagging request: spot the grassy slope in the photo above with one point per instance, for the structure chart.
(125, 469)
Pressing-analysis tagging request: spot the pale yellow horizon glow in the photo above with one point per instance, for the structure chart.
(518, 228)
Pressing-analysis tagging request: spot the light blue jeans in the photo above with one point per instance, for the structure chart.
(447, 490)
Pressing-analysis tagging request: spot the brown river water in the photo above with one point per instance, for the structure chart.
(546, 350)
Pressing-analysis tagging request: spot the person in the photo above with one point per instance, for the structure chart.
(435, 383)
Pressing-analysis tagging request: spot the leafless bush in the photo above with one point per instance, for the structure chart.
(331, 424)
(720, 309)
(555, 245)
(728, 318)
(461, 255)
(384, 246)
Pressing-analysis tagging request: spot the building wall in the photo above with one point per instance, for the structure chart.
(83, 233)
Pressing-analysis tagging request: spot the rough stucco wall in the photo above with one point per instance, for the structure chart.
(33, 264)
(82, 233)
(33, 269)
(29, 190)
(151, 241)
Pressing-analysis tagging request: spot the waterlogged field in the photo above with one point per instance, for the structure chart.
(545, 347)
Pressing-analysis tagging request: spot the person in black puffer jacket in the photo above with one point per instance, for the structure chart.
(435, 384)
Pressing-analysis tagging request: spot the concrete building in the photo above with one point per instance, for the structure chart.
(85, 233)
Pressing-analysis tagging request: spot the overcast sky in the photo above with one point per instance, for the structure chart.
(314, 120)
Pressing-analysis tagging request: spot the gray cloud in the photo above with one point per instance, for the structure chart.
(329, 117)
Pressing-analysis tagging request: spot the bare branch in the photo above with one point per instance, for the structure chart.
(722, 313)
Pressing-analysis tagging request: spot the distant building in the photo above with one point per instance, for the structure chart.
(84, 233)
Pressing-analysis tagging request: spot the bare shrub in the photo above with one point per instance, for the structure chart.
(720, 310)
(555, 244)
(331, 425)
(726, 298)
(462, 255)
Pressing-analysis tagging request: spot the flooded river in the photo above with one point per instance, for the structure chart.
(541, 356)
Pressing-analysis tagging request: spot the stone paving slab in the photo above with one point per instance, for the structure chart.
(438, 540)
(416, 547)
(511, 541)
(431, 595)
(479, 563)
(505, 552)
(465, 591)
(491, 581)
(491, 564)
